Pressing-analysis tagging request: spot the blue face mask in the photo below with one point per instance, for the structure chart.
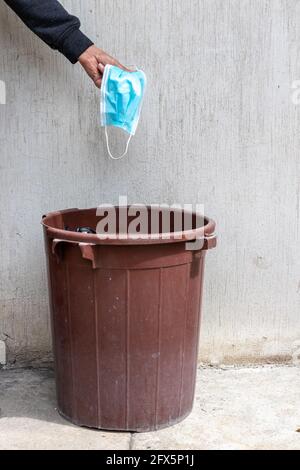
(122, 94)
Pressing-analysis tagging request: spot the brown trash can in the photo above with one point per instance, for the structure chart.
(125, 321)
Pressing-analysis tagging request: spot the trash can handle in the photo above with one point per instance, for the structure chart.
(87, 250)
(210, 241)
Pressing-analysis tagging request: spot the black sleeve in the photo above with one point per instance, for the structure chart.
(53, 24)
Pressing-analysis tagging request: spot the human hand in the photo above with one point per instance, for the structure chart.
(93, 60)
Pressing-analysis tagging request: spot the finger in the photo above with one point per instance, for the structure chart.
(118, 64)
(124, 68)
(98, 82)
(97, 77)
(101, 67)
(107, 59)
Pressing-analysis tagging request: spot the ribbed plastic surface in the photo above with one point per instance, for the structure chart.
(125, 332)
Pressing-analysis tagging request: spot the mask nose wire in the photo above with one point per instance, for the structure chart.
(108, 148)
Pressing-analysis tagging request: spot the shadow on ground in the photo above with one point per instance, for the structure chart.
(29, 417)
(235, 408)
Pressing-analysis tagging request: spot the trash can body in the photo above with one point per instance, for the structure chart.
(125, 323)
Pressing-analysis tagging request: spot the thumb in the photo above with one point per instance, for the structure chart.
(98, 82)
(101, 67)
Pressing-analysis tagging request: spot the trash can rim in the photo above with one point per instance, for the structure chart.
(202, 232)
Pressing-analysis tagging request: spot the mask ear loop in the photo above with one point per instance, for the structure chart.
(108, 148)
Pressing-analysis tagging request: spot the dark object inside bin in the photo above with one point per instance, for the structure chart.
(85, 230)
(81, 229)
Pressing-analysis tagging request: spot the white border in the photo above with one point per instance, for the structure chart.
(102, 97)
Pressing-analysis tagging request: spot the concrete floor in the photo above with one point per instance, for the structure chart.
(235, 408)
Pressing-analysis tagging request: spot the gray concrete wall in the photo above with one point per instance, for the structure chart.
(218, 127)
